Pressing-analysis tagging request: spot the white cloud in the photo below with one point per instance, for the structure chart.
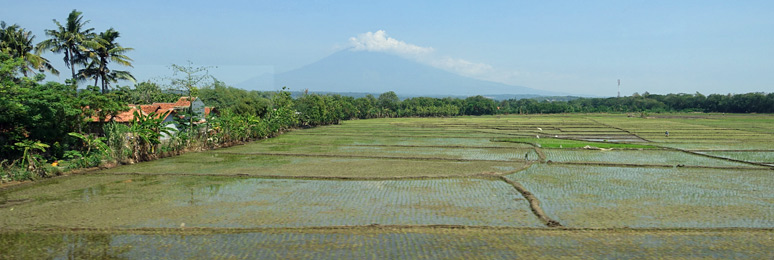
(379, 41)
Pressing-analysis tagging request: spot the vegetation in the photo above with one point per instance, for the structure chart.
(70, 39)
(610, 197)
(730, 103)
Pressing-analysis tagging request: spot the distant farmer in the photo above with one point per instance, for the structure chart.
(667, 133)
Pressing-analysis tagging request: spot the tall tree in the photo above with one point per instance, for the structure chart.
(17, 42)
(104, 50)
(69, 39)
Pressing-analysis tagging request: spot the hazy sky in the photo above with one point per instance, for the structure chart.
(578, 47)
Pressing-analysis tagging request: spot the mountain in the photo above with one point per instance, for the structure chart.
(376, 72)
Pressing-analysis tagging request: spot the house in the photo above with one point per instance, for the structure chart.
(176, 110)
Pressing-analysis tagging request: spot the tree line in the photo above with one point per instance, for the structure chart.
(715, 103)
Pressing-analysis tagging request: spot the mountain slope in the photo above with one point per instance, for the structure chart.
(374, 72)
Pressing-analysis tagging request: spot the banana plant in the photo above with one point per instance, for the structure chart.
(93, 142)
(30, 160)
(148, 130)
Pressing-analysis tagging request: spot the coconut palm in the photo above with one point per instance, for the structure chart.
(17, 42)
(101, 51)
(69, 39)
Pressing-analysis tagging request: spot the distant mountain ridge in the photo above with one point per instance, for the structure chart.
(375, 72)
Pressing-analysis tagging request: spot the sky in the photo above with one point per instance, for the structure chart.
(574, 47)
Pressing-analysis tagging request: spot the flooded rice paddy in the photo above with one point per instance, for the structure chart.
(390, 243)
(421, 188)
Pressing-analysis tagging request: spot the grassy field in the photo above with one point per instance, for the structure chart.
(499, 187)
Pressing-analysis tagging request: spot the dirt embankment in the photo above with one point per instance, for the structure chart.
(534, 203)
(370, 157)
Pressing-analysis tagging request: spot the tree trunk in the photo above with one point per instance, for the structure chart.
(69, 58)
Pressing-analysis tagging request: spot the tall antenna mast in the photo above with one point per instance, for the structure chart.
(619, 87)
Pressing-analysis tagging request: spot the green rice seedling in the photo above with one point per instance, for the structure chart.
(565, 143)
(614, 197)
(135, 201)
(757, 156)
(313, 166)
(392, 243)
(645, 157)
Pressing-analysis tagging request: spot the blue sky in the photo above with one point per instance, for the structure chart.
(577, 47)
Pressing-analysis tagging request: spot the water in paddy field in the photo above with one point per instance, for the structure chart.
(411, 243)
(220, 202)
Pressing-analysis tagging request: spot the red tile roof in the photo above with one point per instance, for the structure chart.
(159, 108)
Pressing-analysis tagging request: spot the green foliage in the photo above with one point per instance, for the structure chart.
(479, 105)
(31, 165)
(319, 110)
(428, 107)
(145, 93)
(93, 144)
(69, 38)
(101, 50)
(388, 102)
(738, 103)
(44, 112)
(147, 131)
(238, 101)
(282, 116)
(18, 43)
(189, 78)
(103, 106)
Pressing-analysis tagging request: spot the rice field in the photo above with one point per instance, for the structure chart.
(391, 243)
(766, 157)
(491, 187)
(639, 157)
(618, 197)
(210, 201)
(296, 165)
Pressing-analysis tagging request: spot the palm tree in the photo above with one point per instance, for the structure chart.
(103, 50)
(69, 39)
(17, 42)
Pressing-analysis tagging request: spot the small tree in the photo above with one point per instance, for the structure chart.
(189, 79)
